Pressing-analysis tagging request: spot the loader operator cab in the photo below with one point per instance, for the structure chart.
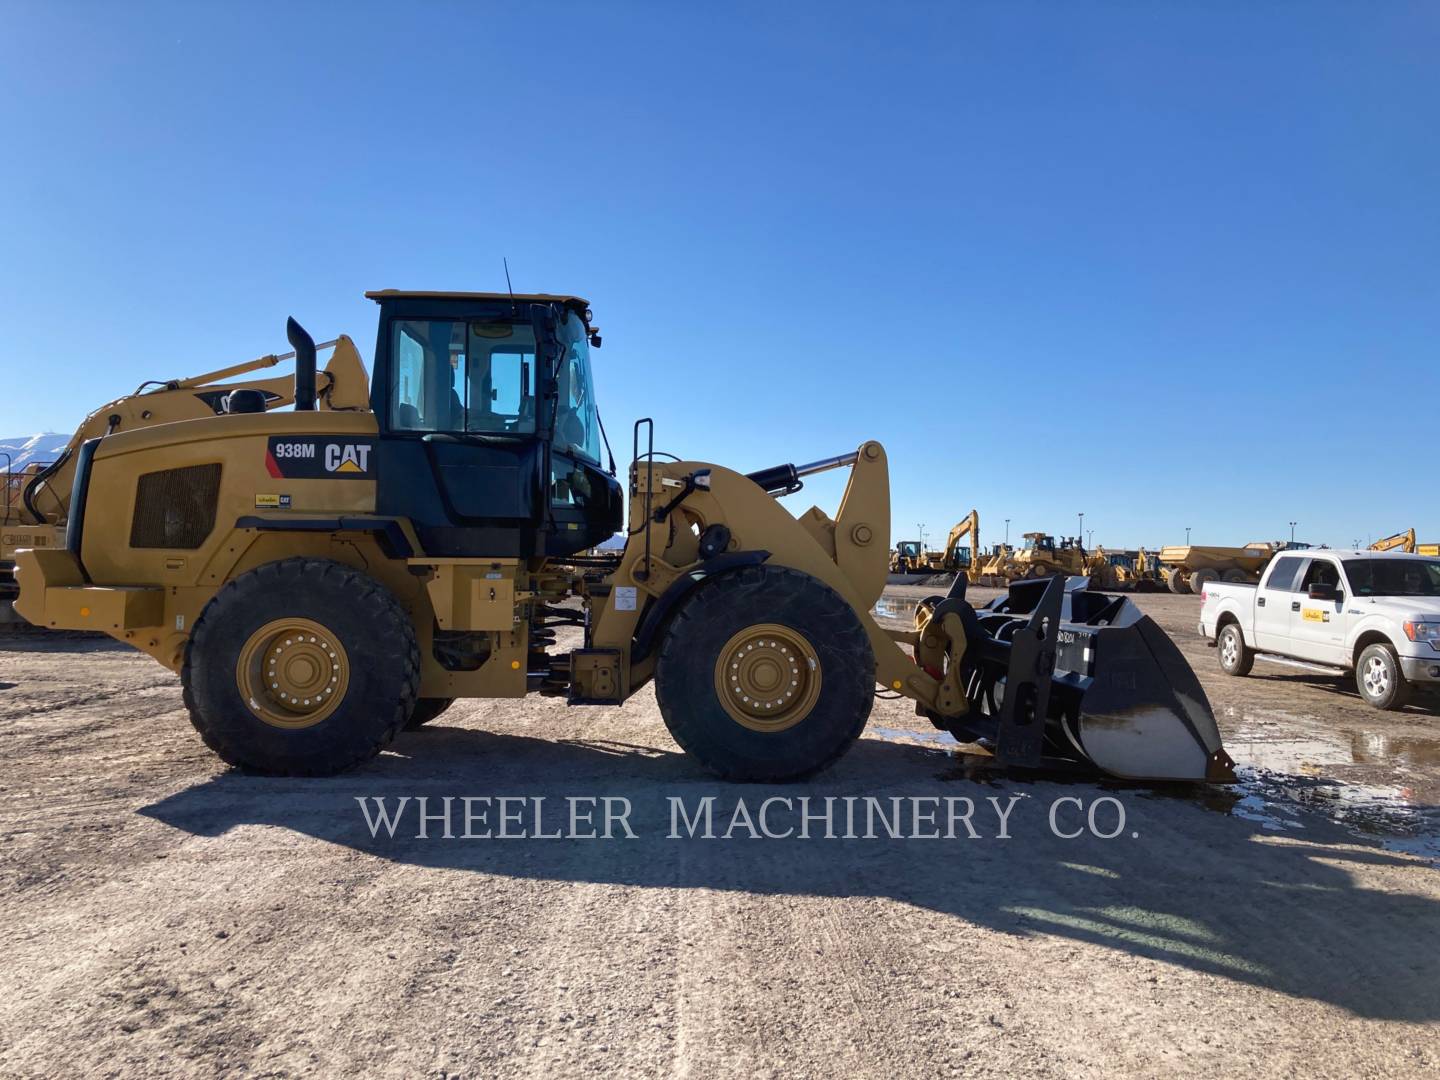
(490, 435)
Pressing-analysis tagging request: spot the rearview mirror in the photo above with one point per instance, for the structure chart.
(1322, 592)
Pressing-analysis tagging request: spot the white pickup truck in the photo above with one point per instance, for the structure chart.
(1372, 613)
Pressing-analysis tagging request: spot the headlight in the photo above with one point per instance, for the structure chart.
(1424, 631)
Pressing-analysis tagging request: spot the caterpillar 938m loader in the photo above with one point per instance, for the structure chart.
(320, 579)
(35, 516)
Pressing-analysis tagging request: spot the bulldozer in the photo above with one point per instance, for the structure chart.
(37, 501)
(993, 568)
(320, 579)
(1042, 557)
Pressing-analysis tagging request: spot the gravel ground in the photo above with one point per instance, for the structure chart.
(165, 916)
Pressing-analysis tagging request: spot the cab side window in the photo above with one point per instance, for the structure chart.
(1321, 572)
(1282, 574)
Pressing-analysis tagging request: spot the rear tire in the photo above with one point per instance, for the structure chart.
(1200, 578)
(1235, 576)
(1379, 679)
(1236, 658)
(427, 709)
(302, 667)
(729, 647)
(1177, 582)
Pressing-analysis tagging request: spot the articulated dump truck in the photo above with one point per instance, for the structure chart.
(320, 579)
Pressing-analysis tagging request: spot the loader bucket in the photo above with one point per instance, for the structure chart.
(1113, 690)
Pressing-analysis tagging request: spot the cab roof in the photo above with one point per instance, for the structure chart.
(380, 295)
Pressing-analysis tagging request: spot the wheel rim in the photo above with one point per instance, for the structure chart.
(767, 677)
(1228, 651)
(293, 673)
(1377, 677)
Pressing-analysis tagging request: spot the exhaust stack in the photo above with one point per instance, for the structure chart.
(304, 346)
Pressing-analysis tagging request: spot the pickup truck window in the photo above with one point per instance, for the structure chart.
(1282, 574)
(1394, 577)
(1321, 572)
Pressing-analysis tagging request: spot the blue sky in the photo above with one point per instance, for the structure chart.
(1169, 265)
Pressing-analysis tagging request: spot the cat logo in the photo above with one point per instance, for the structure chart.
(347, 458)
(318, 457)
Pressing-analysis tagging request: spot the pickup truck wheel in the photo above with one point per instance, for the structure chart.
(1177, 582)
(1379, 679)
(1235, 656)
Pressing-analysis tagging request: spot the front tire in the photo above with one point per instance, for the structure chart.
(302, 667)
(765, 674)
(1177, 582)
(1236, 658)
(1380, 680)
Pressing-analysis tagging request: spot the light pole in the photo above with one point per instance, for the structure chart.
(1007, 532)
(1082, 526)
(921, 528)
(1292, 534)
(1089, 539)
(1187, 535)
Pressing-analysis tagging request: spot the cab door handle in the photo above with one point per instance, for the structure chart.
(1295, 606)
(1260, 602)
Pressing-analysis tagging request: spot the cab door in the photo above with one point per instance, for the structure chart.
(1317, 630)
(1273, 600)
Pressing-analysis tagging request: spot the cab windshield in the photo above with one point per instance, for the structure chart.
(1394, 577)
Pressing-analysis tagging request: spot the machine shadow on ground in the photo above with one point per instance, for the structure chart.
(1186, 882)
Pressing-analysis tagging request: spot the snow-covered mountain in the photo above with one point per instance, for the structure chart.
(27, 448)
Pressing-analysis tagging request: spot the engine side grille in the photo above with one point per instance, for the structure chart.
(175, 508)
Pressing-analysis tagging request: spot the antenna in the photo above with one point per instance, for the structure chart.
(509, 288)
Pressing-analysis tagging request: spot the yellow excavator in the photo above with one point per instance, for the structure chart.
(319, 579)
(37, 500)
(1405, 542)
(957, 557)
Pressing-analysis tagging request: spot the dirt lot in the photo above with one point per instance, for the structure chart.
(166, 916)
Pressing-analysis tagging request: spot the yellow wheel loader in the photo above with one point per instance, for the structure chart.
(908, 557)
(37, 501)
(321, 579)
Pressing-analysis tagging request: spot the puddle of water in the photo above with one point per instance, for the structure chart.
(1287, 742)
(1282, 783)
(890, 607)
